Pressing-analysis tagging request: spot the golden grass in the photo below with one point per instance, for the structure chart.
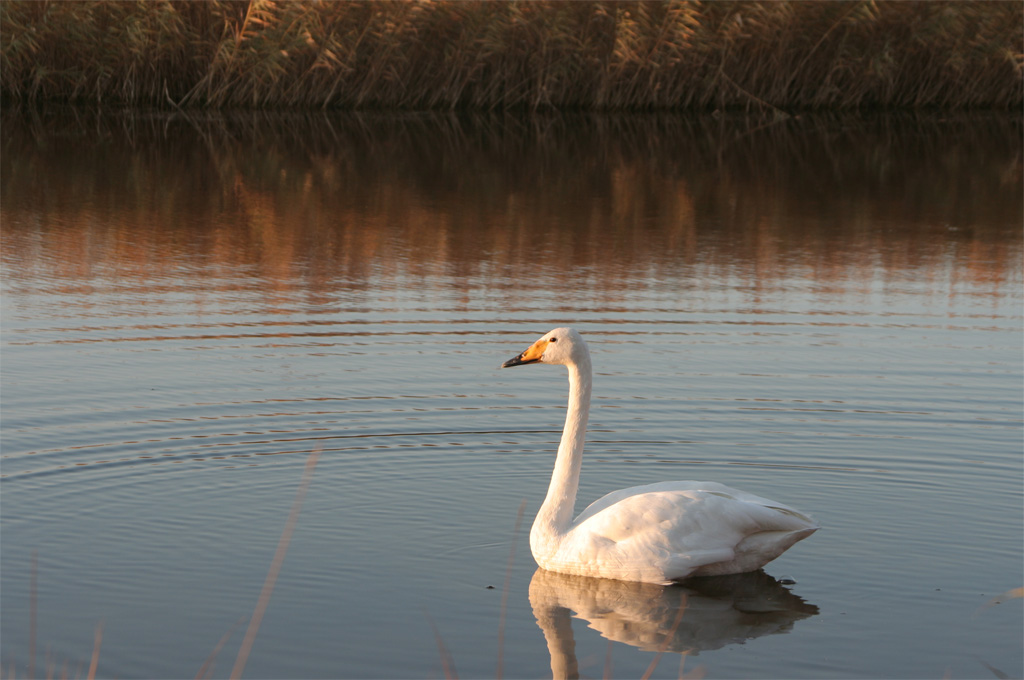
(439, 54)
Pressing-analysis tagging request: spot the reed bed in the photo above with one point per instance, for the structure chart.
(439, 54)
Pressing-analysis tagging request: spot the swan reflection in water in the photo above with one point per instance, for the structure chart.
(719, 610)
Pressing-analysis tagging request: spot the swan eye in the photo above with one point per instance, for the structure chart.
(553, 340)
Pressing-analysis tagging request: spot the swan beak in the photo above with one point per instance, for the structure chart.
(531, 356)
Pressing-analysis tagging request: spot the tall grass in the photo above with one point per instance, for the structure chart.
(431, 54)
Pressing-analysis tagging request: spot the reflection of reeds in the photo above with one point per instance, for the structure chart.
(322, 202)
(443, 54)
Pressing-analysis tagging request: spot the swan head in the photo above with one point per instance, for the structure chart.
(562, 346)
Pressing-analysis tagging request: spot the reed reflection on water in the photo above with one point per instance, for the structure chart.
(823, 310)
(323, 204)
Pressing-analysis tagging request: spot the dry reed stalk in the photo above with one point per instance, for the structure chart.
(206, 670)
(668, 638)
(447, 662)
(275, 568)
(443, 54)
(32, 610)
(97, 641)
(608, 662)
(1012, 593)
(505, 590)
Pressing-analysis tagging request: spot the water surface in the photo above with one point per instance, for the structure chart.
(824, 311)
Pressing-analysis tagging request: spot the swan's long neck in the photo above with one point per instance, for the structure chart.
(555, 515)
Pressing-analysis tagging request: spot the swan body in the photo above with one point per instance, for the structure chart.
(657, 533)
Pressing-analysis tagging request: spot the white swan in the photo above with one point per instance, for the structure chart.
(657, 533)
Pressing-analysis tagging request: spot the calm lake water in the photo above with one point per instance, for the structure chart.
(824, 311)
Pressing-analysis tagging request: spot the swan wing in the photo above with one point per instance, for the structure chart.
(686, 528)
(690, 490)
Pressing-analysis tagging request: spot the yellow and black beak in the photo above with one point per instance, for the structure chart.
(531, 356)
